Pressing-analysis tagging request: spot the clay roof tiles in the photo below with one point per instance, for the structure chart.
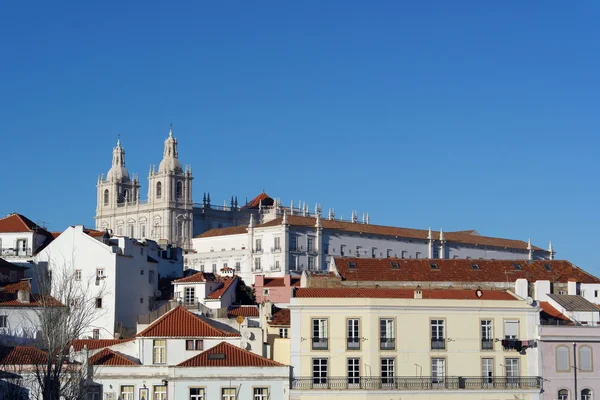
(180, 322)
(551, 311)
(95, 344)
(244, 311)
(233, 230)
(458, 270)
(280, 317)
(262, 197)
(227, 282)
(439, 294)
(111, 358)
(228, 355)
(21, 355)
(198, 277)
(279, 282)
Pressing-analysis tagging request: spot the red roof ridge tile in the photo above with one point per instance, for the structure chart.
(22, 355)
(95, 344)
(180, 322)
(111, 357)
(396, 293)
(227, 282)
(228, 356)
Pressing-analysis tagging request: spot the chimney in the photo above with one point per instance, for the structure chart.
(573, 287)
(287, 280)
(541, 289)
(522, 288)
(259, 281)
(418, 293)
(23, 296)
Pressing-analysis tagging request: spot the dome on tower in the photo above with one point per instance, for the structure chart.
(170, 161)
(118, 172)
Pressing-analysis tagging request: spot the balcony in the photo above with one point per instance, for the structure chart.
(257, 251)
(353, 343)
(438, 344)
(387, 343)
(319, 343)
(487, 344)
(15, 252)
(417, 383)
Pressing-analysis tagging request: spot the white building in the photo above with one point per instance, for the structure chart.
(207, 289)
(292, 243)
(21, 238)
(123, 273)
(181, 357)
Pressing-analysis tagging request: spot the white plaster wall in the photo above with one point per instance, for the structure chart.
(591, 292)
(23, 325)
(176, 352)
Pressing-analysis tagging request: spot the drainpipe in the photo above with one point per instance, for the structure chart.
(575, 368)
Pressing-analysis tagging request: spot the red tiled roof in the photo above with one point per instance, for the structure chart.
(24, 284)
(198, 277)
(95, 344)
(368, 229)
(228, 355)
(458, 270)
(265, 198)
(35, 300)
(551, 311)
(227, 282)
(19, 223)
(280, 317)
(110, 357)
(244, 311)
(180, 322)
(232, 230)
(279, 282)
(22, 355)
(439, 294)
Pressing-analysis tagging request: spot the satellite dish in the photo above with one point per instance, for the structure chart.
(157, 293)
(529, 301)
(243, 344)
(247, 335)
(478, 293)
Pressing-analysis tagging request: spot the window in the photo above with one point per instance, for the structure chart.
(283, 333)
(387, 370)
(586, 394)
(197, 394)
(404, 254)
(353, 339)
(417, 255)
(319, 334)
(228, 394)
(474, 266)
(311, 263)
(258, 246)
(373, 252)
(433, 266)
(96, 334)
(395, 265)
(265, 292)
(511, 329)
(141, 300)
(351, 265)
(190, 295)
(150, 277)
(106, 197)
(277, 243)
(77, 274)
(512, 371)
(438, 371)
(517, 266)
(214, 268)
(342, 249)
(487, 370)
(257, 266)
(100, 273)
(310, 244)
(160, 392)
(158, 356)
(358, 251)
(438, 338)
(548, 267)
(179, 190)
(143, 230)
(3, 321)
(127, 392)
(238, 266)
(326, 248)
(293, 243)
(319, 371)
(563, 394)
(436, 253)
(386, 334)
(141, 272)
(261, 394)
(158, 190)
(585, 358)
(277, 266)
(194, 344)
(99, 302)
(563, 362)
(388, 253)
(353, 371)
(487, 341)
(596, 293)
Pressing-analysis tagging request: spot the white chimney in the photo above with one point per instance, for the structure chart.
(572, 287)
(418, 293)
(521, 288)
(541, 290)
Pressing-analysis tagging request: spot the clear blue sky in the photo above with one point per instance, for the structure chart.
(460, 115)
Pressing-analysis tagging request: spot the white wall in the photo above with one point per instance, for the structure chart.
(23, 325)
(176, 352)
(591, 292)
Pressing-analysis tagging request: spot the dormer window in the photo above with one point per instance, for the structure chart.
(395, 265)
(548, 267)
(474, 266)
(434, 266)
(351, 265)
(518, 266)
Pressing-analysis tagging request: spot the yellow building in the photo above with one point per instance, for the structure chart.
(359, 343)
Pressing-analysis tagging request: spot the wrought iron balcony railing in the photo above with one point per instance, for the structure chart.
(386, 343)
(487, 344)
(438, 344)
(320, 343)
(353, 343)
(417, 383)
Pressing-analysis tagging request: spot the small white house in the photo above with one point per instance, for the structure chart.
(207, 289)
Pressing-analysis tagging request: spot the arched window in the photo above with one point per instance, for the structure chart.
(562, 359)
(586, 394)
(158, 190)
(106, 197)
(179, 190)
(126, 195)
(585, 358)
(563, 394)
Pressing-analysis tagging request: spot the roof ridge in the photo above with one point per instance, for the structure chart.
(211, 331)
(250, 359)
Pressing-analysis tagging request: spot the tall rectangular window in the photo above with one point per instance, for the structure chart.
(511, 329)
(512, 371)
(319, 334)
(228, 394)
(151, 277)
(260, 394)
(159, 351)
(353, 338)
(293, 243)
(127, 392)
(438, 371)
(487, 341)
(99, 302)
(277, 244)
(311, 263)
(131, 231)
(319, 371)
(96, 334)
(438, 338)
(160, 392)
(310, 245)
(258, 246)
(387, 339)
(190, 295)
(342, 249)
(3, 321)
(354, 371)
(238, 266)
(197, 394)
(143, 230)
(387, 370)
(257, 266)
(77, 274)
(487, 370)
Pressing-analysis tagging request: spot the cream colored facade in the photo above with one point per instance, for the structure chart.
(280, 346)
(411, 353)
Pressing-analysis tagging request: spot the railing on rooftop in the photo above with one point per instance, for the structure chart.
(216, 207)
(14, 252)
(417, 383)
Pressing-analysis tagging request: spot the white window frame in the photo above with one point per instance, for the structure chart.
(320, 371)
(487, 371)
(510, 331)
(353, 371)
(159, 351)
(511, 370)
(260, 393)
(159, 392)
(227, 395)
(129, 394)
(201, 395)
(438, 371)
(283, 333)
(189, 295)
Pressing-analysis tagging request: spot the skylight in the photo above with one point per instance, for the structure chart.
(352, 265)
(395, 265)
(474, 266)
(548, 267)
(518, 266)
(216, 356)
(433, 266)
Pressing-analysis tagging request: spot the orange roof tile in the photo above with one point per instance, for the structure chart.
(458, 270)
(551, 311)
(232, 230)
(198, 277)
(227, 282)
(244, 311)
(112, 358)
(22, 355)
(265, 198)
(95, 344)
(180, 322)
(228, 355)
(279, 282)
(440, 294)
(280, 317)
(19, 223)
(24, 284)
